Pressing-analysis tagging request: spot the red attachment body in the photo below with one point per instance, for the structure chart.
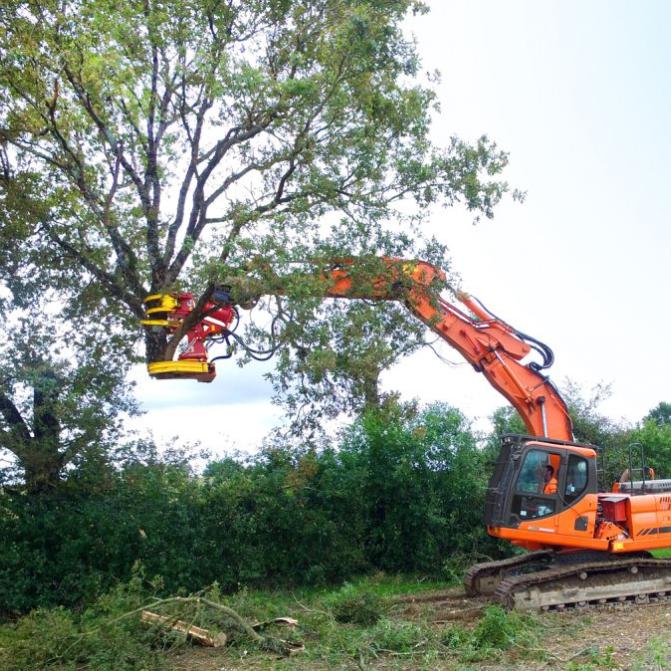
(216, 319)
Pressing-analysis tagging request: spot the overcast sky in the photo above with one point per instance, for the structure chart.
(579, 93)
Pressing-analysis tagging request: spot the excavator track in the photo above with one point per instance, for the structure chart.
(484, 578)
(587, 584)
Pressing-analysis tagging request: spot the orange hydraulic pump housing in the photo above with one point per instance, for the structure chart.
(576, 515)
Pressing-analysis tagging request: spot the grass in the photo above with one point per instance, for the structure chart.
(662, 554)
(355, 625)
(364, 624)
(657, 655)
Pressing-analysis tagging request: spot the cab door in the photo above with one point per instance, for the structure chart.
(535, 495)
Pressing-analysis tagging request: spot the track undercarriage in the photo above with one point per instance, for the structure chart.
(546, 580)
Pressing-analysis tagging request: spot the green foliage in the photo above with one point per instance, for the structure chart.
(415, 473)
(655, 439)
(286, 132)
(403, 493)
(397, 636)
(61, 414)
(455, 637)
(499, 629)
(40, 640)
(101, 638)
(356, 606)
(109, 633)
(660, 414)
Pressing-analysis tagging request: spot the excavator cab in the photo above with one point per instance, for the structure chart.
(537, 478)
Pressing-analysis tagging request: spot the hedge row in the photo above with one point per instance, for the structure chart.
(398, 494)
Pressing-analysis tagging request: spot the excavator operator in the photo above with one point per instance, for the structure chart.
(550, 480)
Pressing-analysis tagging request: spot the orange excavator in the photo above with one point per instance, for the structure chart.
(584, 546)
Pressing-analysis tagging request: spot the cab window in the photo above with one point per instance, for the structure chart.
(576, 478)
(529, 500)
(532, 472)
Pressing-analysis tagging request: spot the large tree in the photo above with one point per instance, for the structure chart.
(61, 409)
(150, 144)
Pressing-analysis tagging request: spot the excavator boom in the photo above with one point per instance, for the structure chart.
(490, 345)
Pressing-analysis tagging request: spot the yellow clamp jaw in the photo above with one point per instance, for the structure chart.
(157, 308)
(181, 369)
(167, 311)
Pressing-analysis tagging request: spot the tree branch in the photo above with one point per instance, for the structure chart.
(194, 141)
(16, 423)
(198, 216)
(151, 180)
(110, 139)
(108, 280)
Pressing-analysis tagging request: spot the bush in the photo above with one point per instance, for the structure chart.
(41, 639)
(351, 606)
(500, 629)
(54, 639)
(497, 630)
(404, 493)
(422, 482)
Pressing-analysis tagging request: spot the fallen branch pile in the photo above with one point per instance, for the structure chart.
(228, 619)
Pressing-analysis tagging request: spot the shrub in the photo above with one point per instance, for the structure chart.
(107, 636)
(404, 493)
(500, 629)
(351, 606)
(455, 637)
(40, 640)
(51, 639)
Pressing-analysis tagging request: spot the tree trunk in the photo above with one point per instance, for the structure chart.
(155, 341)
(41, 459)
(42, 467)
(371, 391)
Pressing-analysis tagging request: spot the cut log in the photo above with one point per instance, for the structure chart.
(193, 633)
(288, 621)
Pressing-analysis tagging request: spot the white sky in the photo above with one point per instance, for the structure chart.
(579, 93)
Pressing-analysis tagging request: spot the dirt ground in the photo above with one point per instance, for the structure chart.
(623, 637)
(632, 636)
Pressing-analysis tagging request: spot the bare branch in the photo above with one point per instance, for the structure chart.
(191, 172)
(111, 282)
(109, 138)
(198, 217)
(15, 421)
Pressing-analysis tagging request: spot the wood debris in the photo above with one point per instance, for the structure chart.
(193, 633)
(288, 621)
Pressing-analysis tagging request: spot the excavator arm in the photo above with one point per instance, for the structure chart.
(489, 344)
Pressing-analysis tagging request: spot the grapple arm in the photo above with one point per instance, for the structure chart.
(493, 347)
